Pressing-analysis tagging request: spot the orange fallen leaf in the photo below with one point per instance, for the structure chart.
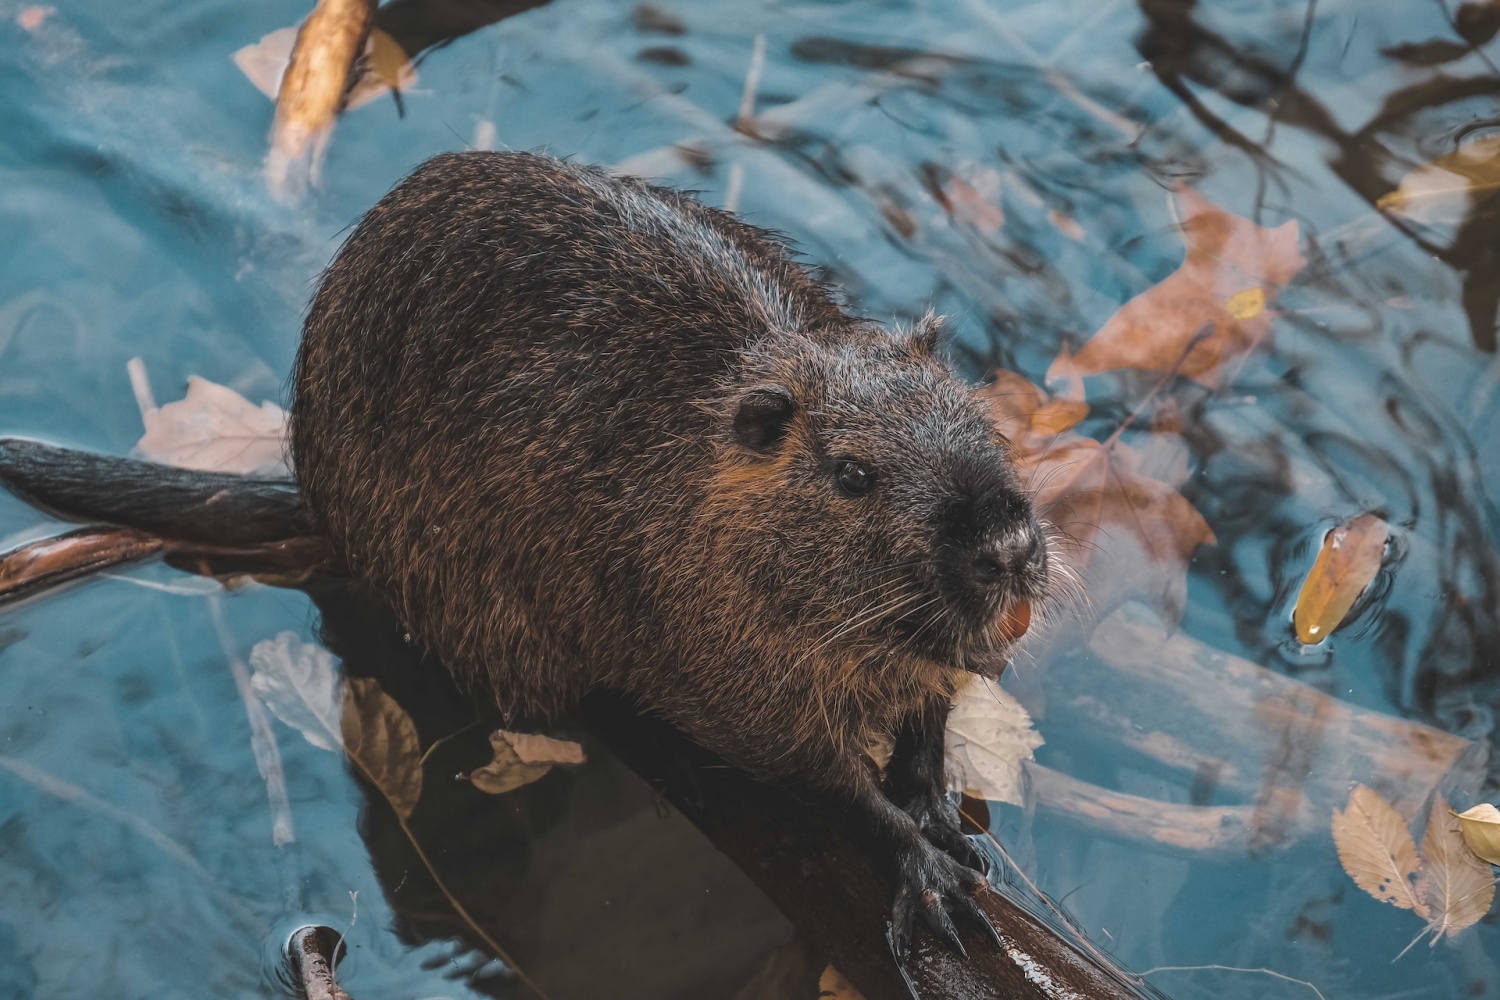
(1232, 269)
(1125, 529)
(1377, 851)
(1350, 558)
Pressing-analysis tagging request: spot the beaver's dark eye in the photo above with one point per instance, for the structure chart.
(854, 479)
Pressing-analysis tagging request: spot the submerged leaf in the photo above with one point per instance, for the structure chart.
(989, 734)
(1376, 849)
(1441, 191)
(1207, 313)
(1481, 828)
(215, 429)
(382, 741)
(1350, 558)
(520, 759)
(300, 684)
(1455, 885)
(387, 66)
(1121, 524)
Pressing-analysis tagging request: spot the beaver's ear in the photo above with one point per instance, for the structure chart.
(762, 415)
(927, 333)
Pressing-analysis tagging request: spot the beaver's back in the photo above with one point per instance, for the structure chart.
(502, 401)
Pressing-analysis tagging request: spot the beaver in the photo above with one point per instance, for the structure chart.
(583, 432)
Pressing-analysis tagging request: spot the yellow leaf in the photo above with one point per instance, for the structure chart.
(1456, 886)
(1481, 827)
(1376, 849)
(1247, 304)
(833, 986)
(1440, 190)
(386, 58)
(1350, 558)
(381, 740)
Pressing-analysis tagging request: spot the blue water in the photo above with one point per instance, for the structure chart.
(136, 853)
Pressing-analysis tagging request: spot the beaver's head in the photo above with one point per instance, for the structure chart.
(875, 503)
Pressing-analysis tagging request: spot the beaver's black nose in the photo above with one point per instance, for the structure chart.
(1008, 555)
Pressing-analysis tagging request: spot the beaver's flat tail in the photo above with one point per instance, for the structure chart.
(206, 507)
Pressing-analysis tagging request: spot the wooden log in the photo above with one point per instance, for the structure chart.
(812, 867)
(51, 562)
(1289, 751)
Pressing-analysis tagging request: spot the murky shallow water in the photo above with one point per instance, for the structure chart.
(136, 854)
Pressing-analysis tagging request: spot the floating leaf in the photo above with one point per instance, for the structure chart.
(381, 739)
(215, 429)
(972, 197)
(1455, 885)
(1350, 558)
(1376, 849)
(833, 986)
(387, 66)
(1231, 265)
(1481, 828)
(520, 759)
(1440, 192)
(1122, 525)
(300, 684)
(989, 734)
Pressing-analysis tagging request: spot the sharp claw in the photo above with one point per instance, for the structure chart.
(942, 925)
(976, 915)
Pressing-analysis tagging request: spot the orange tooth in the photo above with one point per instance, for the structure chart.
(1015, 622)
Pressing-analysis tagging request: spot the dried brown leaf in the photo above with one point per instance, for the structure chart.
(1456, 886)
(1232, 269)
(1377, 851)
(381, 740)
(520, 759)
(1350, 558)
(1125, 530)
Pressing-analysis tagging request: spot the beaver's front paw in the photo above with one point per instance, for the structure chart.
(939, 888)
(939, 823)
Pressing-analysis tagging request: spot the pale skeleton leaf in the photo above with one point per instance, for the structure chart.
(214, 429)
(299, 683)
(989, 734)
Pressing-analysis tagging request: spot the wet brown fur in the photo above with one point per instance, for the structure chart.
(514, 416)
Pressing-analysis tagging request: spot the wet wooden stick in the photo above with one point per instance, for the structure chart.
(310, 953)
(51, 562)
(816, 872)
